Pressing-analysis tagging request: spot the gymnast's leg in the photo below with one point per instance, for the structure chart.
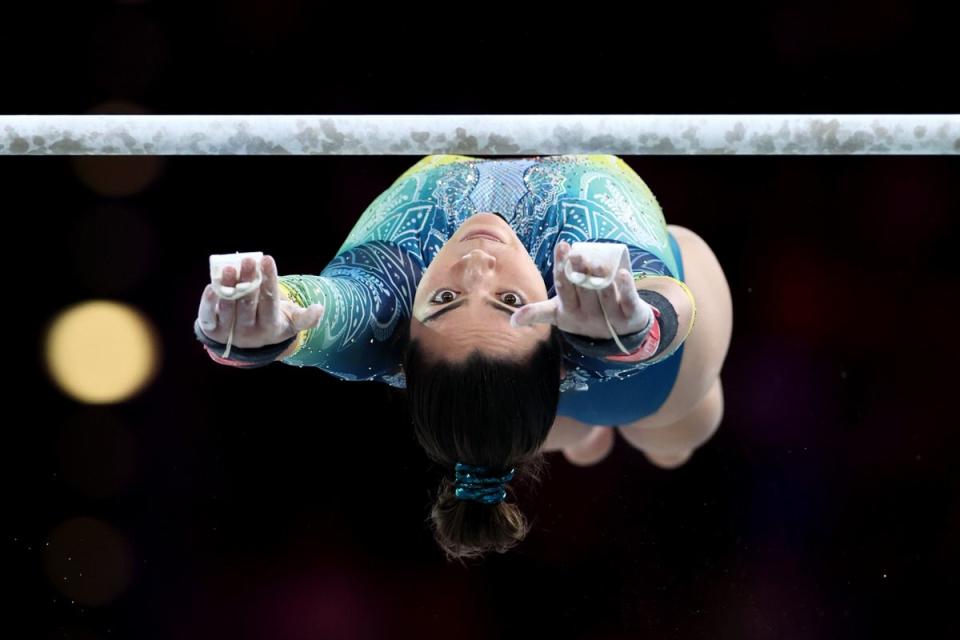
(581, 444)
(669, 446)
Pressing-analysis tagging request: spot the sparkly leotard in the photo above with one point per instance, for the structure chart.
(368, 288)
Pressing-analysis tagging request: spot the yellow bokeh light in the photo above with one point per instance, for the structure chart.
(101, 352)
(89, 561)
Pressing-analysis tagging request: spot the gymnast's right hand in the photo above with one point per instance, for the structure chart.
(264, 316)
(587, 312)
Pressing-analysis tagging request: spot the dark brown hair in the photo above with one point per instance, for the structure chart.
(482, 411)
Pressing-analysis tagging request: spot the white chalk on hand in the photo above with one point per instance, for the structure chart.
(612, 255)
(235, 260)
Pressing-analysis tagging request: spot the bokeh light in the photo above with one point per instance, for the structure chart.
(122, 175)
(101, 351)
(88, 561)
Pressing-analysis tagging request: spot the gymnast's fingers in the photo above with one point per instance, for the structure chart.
(227, 309)
(608, 300)
(564, 288)
(268, 310)
(588, 300)
(207, 313)
(630, 302)
(247, 305)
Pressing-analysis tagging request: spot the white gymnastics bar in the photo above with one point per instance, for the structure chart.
(488, 135)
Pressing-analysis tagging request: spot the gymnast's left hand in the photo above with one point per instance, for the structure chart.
(578, 310)
(263, 317)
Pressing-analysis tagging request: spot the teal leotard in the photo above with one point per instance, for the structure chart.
(368, 288)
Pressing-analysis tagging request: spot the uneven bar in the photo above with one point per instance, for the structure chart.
(488, 135)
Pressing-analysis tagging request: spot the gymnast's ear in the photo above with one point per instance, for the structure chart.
(563, 371)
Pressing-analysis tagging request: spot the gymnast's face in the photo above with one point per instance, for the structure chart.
(471, 288)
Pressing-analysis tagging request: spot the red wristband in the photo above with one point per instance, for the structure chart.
(227, 361)
(649, 346)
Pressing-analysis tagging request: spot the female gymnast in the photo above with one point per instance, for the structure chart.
(451, 286)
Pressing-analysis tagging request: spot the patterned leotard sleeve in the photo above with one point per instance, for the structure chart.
(366, 293)
(367, 290)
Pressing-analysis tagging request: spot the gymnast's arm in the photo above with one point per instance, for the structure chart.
(366, 293)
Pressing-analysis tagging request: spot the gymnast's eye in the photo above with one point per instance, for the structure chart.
(510, 298)
(445, 300)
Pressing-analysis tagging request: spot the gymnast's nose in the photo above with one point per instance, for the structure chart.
(477, 265)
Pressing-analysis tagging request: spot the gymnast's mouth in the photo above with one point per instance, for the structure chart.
(481, 235)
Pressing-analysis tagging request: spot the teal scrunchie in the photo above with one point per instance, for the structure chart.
(473, 483)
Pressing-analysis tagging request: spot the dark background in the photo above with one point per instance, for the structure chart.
(283, 503)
